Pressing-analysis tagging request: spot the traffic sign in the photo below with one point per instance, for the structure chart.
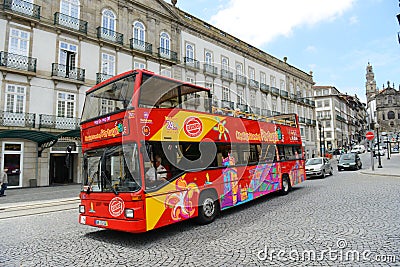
(370, 135)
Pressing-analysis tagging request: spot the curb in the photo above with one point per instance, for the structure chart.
(38, 203)
(380, 174)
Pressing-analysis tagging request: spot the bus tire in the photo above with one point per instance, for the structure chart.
(285, 185)
(208, 207)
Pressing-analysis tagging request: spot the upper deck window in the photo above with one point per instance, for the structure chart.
(159, 92)
(116, 96)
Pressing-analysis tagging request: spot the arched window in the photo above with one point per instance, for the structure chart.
(164, 43)
(391, 115)
(139, 36)
(70, 8)
(189, 53)
(225, 63)
(108, 20)
(208, 58)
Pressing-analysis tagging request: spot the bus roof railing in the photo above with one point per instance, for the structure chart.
(282, 119)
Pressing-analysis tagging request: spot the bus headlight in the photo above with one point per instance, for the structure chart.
(128, 213)
(81, 209)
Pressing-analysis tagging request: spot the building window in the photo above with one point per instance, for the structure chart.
(274, 103)
(15, 98)
(139, 31)
(189, 53)
(166, 72)
(326, 103)
(19, 42)
(108, 64)
(239, 68)
(68, 56)
(208, 58)
(139, 65)
(108, 20)
(240, 96)
(326, 91)
(107, 106)
(283, 106)
(328, 134)
(328, 124)
(164, 43)
(383, 116)
(263, 78)
(225, 93)
(252, 74)
(391, 115)
(272, 81)
(264, 102)
(319, 104)
(70, 8)
(282, 85)
(225, 63)
(252, 98)
(65, 105)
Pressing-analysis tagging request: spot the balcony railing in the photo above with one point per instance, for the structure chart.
(141, 45)
(314, 122)
(70, 22)
(23, 8)
(274, 90)
(276, 113)
(227, 75)
(110, 35)
(302, 120)
(64, 71)
(241, 79)
(55, 122)
(300, 100)
(190, 99)
(307, 101)
(264, 88)
(308, 121)
(101, 77)
(192, 63)
(210, 69)
(312, 103)
(18, 62)
(292, 96)
(167, 54)
(255, 110)
(254, 83)
(13, 119)
(227, 104)
(284, 94)
(242, 107)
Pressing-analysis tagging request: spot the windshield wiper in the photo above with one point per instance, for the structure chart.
(103, 174)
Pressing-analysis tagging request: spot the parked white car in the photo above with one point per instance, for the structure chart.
(358, 149)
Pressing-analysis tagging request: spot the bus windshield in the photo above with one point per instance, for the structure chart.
(110, 98)
(112, 169)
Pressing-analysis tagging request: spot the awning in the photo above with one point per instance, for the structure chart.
(72, 134)
(43, 139)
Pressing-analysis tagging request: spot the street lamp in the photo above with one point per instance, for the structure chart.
(379, 150)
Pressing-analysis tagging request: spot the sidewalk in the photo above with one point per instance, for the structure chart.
(48, 194)
(390, 167)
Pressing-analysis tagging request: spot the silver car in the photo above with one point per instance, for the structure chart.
(320, 167)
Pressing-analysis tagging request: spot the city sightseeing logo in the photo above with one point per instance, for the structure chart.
(193, 127)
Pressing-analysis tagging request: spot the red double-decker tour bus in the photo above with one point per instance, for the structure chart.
(156, 151)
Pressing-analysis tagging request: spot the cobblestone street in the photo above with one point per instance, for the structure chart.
(348, 219)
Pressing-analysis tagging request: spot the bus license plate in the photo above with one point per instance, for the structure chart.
(100, 222)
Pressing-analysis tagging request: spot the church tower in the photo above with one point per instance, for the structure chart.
(370, 84)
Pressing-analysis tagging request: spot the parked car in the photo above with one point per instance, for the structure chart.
(320, 167)
(350, 161)
(358, 149)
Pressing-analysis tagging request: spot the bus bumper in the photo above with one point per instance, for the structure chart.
(132, 226)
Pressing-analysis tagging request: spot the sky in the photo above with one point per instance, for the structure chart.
(335, 39)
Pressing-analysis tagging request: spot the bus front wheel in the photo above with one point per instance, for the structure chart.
(285, 185)
(208, 207)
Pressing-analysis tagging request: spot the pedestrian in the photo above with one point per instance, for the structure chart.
(3, 182)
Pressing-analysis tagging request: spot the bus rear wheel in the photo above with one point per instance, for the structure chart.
(208, 207)
(285, 185)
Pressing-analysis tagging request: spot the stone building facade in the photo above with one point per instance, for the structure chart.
(54, 51)
(388, 109)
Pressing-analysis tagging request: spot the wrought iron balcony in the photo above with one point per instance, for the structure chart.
(275, 113)
(255, 110)
(308, 121)
(242, 107)
(210, 69)
(274, 90)
(101, 77)
(302, 120)
(227, 75)
(307, 101)
(314, 122)
(167, 54)
(284, 94)
(241, 79)
(55, 122)
(13, 119)
(23, 8)
(312, 103)
(191, 63)
(300, 100)
(227, 104)
(141, 46)
(264, 88)
(193, 100)
(110, 35)
(254, 83)
(70, 22)
(63, 71)
(18, 62)
(292, 96)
